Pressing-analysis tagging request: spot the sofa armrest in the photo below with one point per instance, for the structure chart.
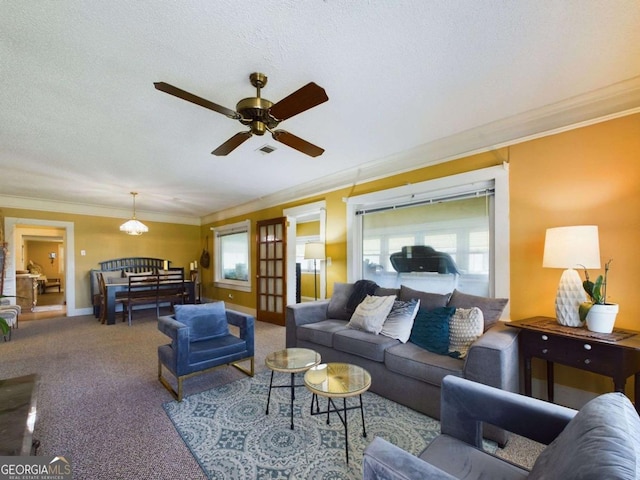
(465, 405)
(494, 359)
(302, 314)
(246, 326)
(384, 460)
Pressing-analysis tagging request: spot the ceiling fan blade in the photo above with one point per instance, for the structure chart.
(231, 144)
(190, 97)
(297, 143)
(302, 99)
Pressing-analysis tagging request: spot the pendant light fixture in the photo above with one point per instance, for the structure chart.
(133, 226)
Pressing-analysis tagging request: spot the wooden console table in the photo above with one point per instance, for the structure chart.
(616, 354)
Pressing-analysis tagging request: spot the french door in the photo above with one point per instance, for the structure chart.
(271, 251)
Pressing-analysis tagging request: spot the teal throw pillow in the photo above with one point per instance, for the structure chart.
(431, 329)
(205, 321)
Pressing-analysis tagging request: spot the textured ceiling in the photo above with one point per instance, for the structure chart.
(409, 83)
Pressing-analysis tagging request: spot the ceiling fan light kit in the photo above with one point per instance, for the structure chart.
(260, 114)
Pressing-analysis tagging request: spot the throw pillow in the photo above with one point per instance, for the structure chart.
(428, 301)
(205, 321)
(431, 329)
(337, 309)
(491, 307)
(400, 320)
(371, 313)
(130, 274)
(465, 327)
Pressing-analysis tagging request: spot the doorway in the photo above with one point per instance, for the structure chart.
(14, 230)
(311, 211)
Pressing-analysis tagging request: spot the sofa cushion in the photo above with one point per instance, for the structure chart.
(337, 308)
(363, 344)
(601, 441)
(431, 329)
(412, 361)
(320, 332)
(205, 321)
(465, 327)
(491, 307)
(399, 322)
(371, 313)
(428, 301)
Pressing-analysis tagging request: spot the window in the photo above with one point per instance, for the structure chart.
(463, 218)
(232, 253)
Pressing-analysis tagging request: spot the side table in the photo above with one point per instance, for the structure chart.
(616, 354)
(292, 361)
(338, 380)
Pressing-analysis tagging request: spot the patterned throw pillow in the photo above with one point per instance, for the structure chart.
(400, 320)
(431, 329)
(371, 313)
(465, 327)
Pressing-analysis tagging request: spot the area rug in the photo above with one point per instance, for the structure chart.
(232, 438)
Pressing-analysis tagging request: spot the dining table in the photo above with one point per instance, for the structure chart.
(114, 288)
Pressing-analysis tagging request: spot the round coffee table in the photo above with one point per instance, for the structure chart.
(292, 361)
(338, 380)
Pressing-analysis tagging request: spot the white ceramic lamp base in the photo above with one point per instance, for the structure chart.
(568, 299)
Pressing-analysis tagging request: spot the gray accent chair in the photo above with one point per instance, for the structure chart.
(600, 441)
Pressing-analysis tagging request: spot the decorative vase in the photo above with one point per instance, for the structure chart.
(601, 317)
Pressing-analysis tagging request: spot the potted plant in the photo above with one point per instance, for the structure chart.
(599, 314)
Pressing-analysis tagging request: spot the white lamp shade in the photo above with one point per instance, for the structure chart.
(572, 247)
(314, 251)
(134, 227)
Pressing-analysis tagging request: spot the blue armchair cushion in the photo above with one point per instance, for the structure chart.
(221, 347)
(431, 329)
(601, 441)
(205, 321)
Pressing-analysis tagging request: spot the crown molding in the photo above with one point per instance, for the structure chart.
(617, 100)
(24, 203)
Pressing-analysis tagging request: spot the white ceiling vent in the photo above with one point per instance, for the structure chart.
(266, 149)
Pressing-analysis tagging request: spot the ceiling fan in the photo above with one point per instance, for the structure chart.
(261, 115)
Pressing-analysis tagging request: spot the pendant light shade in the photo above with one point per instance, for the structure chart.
(133, 226)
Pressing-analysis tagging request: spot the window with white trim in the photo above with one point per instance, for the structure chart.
(463, 218)
(233, 256)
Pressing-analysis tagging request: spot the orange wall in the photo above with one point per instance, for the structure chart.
(589, 176)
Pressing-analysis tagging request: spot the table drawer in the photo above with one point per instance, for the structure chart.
(574, 352)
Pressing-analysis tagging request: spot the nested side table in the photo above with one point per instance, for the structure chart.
(292, 361)
(338, 380)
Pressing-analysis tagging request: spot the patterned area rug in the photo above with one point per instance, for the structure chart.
(229, 434)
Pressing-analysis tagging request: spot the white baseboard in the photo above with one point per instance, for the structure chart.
(562, 395)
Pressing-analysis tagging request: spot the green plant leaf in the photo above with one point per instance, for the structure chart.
(597, 290)
(4, 326)
(583, 309)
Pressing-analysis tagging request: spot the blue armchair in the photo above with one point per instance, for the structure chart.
(201, 341)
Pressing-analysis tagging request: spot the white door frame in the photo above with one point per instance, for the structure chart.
(292, 215)
(10, 225)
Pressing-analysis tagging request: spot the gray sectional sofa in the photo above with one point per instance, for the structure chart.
(404, 372)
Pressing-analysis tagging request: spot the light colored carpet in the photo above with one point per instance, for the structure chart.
(100, 404)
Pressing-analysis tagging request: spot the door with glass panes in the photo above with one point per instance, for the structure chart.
(271, 276)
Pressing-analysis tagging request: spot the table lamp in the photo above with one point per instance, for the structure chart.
(314, 251)
(569, 248)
